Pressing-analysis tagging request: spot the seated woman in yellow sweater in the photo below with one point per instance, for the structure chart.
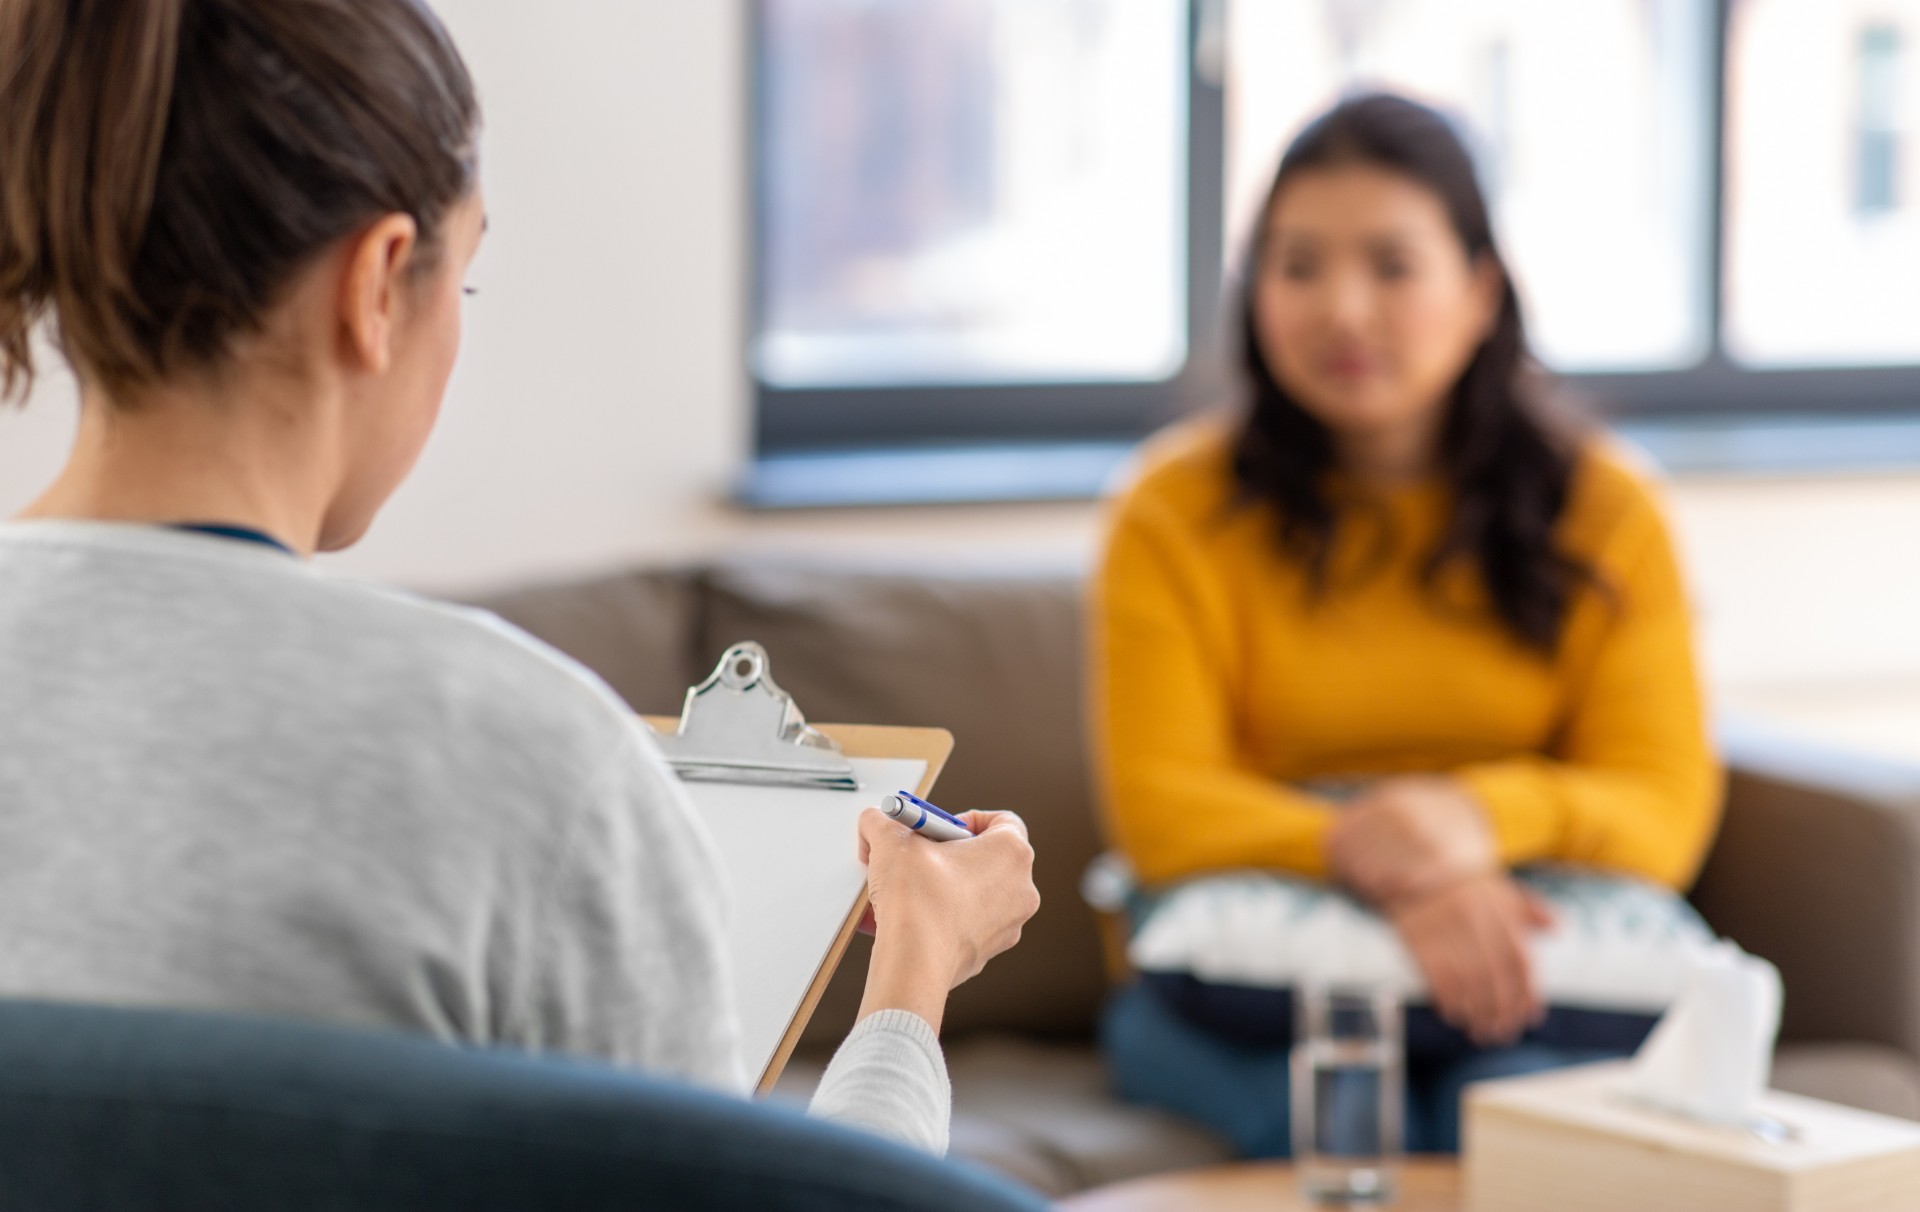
(1395, 629)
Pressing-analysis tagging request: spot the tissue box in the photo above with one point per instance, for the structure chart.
(1571, 1141)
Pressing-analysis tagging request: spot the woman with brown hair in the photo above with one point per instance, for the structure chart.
(230, 781)
(1395, 631)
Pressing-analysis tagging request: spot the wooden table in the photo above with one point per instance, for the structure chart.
(1425, 1186)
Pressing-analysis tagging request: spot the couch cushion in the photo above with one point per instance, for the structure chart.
(1872, 1077)
(1042, 1114)
(637, 630)
(994, 657)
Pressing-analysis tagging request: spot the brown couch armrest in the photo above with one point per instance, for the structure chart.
(1817, 868)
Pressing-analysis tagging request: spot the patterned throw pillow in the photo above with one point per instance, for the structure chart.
(1618, 945)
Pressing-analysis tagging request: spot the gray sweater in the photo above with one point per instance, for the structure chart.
(229, 781)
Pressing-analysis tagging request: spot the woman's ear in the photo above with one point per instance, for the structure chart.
(372, 290)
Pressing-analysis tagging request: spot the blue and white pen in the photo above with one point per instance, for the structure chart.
(923, 818)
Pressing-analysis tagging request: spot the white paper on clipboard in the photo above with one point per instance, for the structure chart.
(791, 857)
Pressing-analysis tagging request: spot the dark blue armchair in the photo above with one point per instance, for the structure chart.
(147, 1111)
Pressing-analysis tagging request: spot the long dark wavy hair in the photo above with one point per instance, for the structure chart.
(1508, 461)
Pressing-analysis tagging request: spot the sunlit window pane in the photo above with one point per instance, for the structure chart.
(1591, 121)
(971, 191)
(1823, 182)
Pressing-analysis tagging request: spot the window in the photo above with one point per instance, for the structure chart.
(974, 217)
(1877, 160)
(1823, 198)
(973, 191)
(996, 220)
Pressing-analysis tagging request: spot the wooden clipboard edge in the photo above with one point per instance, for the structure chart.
(930, 745)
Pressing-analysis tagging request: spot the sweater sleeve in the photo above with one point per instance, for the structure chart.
(1631, 784)
(1179, 798)
(889, 1077)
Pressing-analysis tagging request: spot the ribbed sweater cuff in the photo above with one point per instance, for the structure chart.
(903, 1022)
(890, 1078)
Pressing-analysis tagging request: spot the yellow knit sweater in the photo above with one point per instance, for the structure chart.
(1223, 692)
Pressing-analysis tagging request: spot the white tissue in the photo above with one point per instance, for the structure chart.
(1710, 1056)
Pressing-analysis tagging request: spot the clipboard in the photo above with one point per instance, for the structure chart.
(752, 763)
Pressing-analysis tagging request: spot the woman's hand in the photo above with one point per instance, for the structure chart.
(941, 910)
(1470, 940)
(1408, 837)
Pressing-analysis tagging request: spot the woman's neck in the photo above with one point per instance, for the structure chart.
(1393, 456)
(200, 457)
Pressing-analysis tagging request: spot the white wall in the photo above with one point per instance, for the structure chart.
(599, 407)
(34, 439)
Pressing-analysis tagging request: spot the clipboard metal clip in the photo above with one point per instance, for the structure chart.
(738, 726)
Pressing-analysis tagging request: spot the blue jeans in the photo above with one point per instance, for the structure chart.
(1240, 1090)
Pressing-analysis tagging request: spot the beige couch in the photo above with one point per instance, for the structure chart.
(1817, 868)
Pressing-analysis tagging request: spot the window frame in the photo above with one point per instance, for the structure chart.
(803, 421)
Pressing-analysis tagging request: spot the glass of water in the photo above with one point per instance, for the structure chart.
(1348, 1087)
